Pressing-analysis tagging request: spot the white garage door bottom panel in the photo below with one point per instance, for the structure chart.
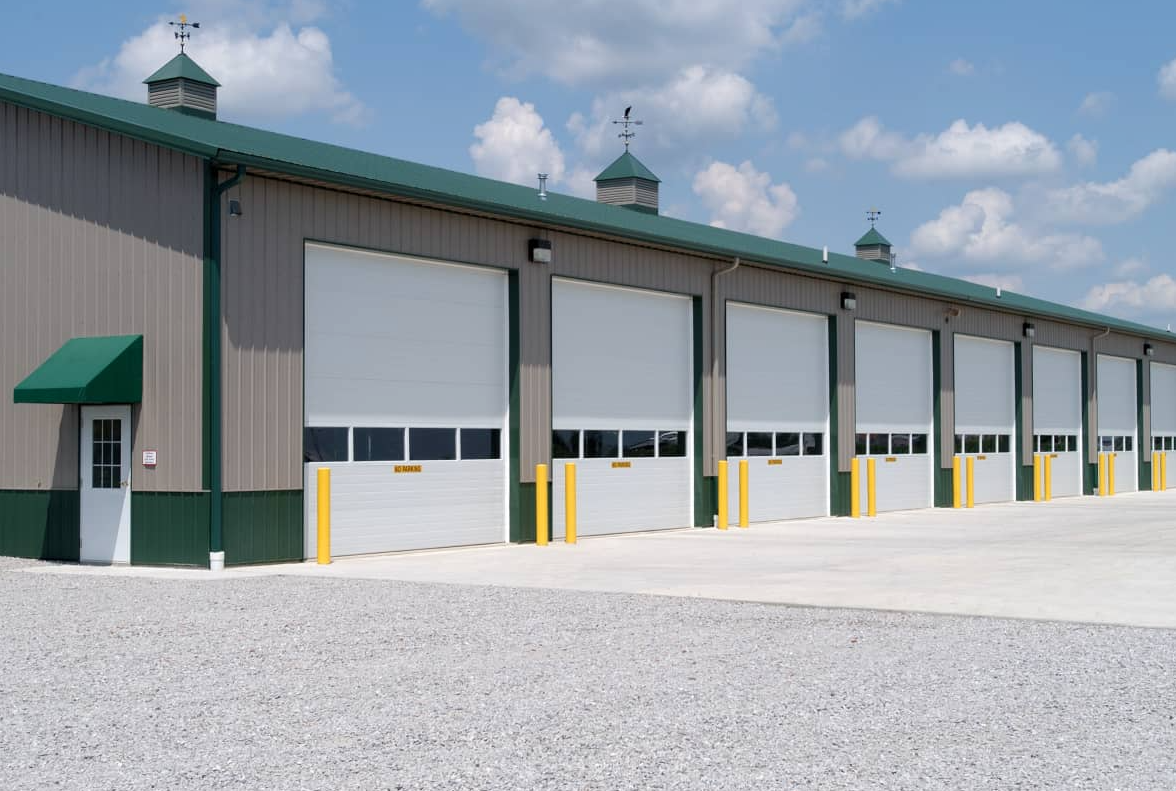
(374, 509)
(1066, 475)
(651, 494)
(796, 488)
(993, 480)
(1126, 471)
(901, 485)
(1171, 462)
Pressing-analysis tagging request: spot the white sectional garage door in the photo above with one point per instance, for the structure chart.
(1057, 416)
(894, 413)
(1117, 426)
(622, 407)
(778, 411)
(1163, 411)
(406, 401)
(985, 418)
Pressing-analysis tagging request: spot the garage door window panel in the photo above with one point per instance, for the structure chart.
(432, 444)
(601, 444)
(788, 443)
(324, 444)
(378, 444)
(671, 444)
(759, 443)
(900, 444)
(638, 444)
(481, 443)
(565, 444)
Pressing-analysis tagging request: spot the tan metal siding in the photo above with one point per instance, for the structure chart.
(99, 235)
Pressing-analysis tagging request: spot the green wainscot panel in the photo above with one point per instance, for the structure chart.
(169, 528)
(263, 527)
(41, 524)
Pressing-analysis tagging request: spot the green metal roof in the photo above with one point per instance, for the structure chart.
(101, 370)
(181, 66)
(627, 166)
(871, 238)
(230, 144)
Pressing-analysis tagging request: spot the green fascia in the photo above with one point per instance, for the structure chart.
(195, 112)
(169, 528)
(638, 208)
(1142, 444)
(43, 524)
(98, 370)
(182, 67)
(263, 527)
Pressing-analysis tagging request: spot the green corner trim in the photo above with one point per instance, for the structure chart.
(42, 524)
(1090, 471)
(1023, 478)
(839, 486)
(942, 479)
(514, 363)
(1143, 444)
(169, 529)
(263, 527)
(703, 504)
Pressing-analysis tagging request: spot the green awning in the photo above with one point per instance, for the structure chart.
(102, 370)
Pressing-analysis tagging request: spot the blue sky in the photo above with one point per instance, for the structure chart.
(1026, 144)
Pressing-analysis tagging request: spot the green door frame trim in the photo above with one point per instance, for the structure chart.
(212, 406)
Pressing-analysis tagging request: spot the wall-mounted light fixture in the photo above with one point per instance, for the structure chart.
(1028, 330)
(848, 300)
(1148, 350)
(235, 208)
(539, 251)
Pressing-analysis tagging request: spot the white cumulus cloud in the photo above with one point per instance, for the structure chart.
(1097, 103)
(855, 9)
(275, 71)
(962, 68)
(1152, 300)
(982, 229)
(960, 151)
(1167, 80)
(1084, 151)
(515, 145)
(745, 199)
(1147, 181)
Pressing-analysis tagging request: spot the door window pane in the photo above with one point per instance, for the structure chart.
(988, 444)
(481, 443)
(106, 453)
(860, 445)
(1157, 443)
(900, 444)
(1117, 443)
(959, 443)
(1128, 443)
(1170, 443)
(671, 443)
(972, 443)
(601, 444)
(879, 444)
(637, 444)
(759, 443)
(432, 444)
(322, 444)
(565, 444)
(378, 444)
(1003, 443)
(814, 444)
(919, 444)
(1072, 443)
(787, 444)
(734, 443)
(1107, 444)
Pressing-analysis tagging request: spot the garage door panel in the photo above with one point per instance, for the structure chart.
(376, 510)
(985, 392)
(993, 480)
(777, 369)
(1066, 475)
(1057, 391)
(650, 494)
(903, 484)
(893, 378)
(1116, 396)
(1163, 400)
(794, 488)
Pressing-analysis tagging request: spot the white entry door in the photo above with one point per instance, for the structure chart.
(105, 475)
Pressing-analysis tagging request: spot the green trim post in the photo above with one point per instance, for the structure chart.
(838, 485)
(213, 441)
(1143, 445)
(513, 363)
(942, 496)
(1089, 471)
(1024, 475)
(704, 495)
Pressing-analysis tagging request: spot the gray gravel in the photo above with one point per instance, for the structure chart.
(283, 683)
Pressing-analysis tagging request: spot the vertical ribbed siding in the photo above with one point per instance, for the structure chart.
(99, 235)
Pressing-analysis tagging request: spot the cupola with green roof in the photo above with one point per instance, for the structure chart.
(873, 247)
(183, 86)
(627, 182)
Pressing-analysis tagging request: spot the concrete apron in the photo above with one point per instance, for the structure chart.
(1091, 560)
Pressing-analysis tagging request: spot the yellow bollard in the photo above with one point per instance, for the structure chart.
(1048, 477)
(570, 503)
(541, 504)
(971, 481)
(955, 482)
(1164, 472)
(324, 516)
(1111, 474)
(743, 509)
(855, 488)
(871, 489)
(1037, 487)
(1102, 475)
(1155, 467)
(723, 495)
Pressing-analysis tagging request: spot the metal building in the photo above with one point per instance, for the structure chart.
(196, 316)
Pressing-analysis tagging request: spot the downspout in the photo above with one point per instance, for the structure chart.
(714, 293)
(216, 533)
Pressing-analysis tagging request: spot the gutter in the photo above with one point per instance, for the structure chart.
(213, 365)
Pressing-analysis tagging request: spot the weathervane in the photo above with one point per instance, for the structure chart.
(182, 35)
(872, 215)
(627, 134)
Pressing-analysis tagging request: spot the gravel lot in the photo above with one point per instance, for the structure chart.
(296, 683)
